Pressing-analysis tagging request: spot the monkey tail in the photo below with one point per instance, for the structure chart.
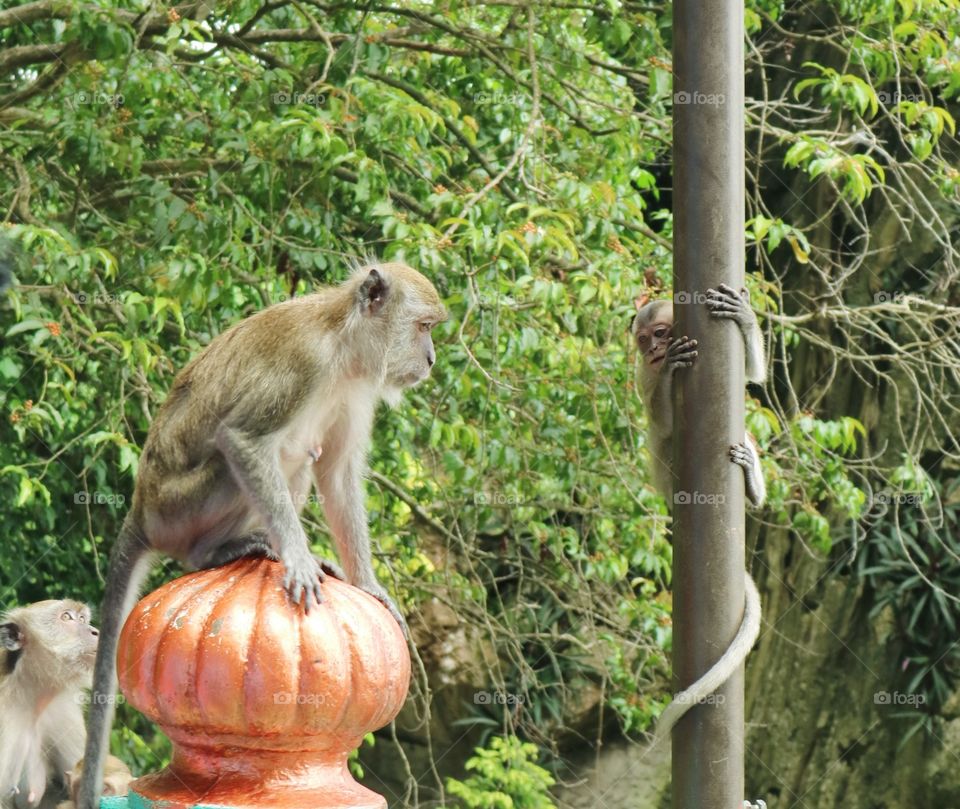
(720, 671)
(128, 567)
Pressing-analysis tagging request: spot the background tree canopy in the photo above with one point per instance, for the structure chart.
(171, 168)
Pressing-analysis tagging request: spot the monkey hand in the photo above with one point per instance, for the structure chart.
(377, 591)
(303, 574)
(681, 353)
(725, 302)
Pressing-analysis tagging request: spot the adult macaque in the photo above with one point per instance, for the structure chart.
(662, 355)
(281, 401)
(46, 659)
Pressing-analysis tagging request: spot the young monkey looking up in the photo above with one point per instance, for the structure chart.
(662, 356)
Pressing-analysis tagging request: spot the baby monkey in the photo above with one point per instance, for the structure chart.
(662, 356)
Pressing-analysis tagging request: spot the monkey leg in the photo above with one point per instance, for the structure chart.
(745, 455)
(257, 544)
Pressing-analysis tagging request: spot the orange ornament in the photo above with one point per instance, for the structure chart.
(263, 703)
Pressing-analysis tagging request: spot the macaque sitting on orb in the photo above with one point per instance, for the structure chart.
(279, 403)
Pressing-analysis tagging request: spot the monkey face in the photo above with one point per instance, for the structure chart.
(51, 632)
(415, 354)
(408, 305)
(74, 622)
(651, 328)
(652, 342)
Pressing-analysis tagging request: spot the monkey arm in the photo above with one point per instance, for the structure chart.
(756, 364)
(340, 483)
(657, 385)
(254, 463)
(725, 302)
(343, 496)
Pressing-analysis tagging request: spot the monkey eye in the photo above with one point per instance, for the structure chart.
(68, 616)
(424, 327)
(82, 618)
(660, 332)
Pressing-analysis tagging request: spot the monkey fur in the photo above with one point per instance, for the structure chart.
(116, 781)
(280, 402)
(662, 355)
(47, 651)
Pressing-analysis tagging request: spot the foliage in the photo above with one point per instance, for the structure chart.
(912, 563)
(171, 169)
(507, 777)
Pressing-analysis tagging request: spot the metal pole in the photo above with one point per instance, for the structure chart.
(708, 531)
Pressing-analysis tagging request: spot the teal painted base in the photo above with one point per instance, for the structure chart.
(135, 801)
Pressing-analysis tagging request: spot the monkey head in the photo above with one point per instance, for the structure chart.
(651, 329)
(53, 638)
(407, 305)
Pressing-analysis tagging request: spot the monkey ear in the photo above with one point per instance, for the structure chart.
(11, 637)
(373, 293)
(640, 302)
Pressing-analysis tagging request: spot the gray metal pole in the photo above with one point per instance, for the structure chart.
(708, 531)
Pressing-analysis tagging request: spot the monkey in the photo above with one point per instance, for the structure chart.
(47, 652)
(116, 781)
(661, 356)
(281, 402)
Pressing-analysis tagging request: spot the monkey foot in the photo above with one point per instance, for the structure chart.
(742, 455)
(331, 568)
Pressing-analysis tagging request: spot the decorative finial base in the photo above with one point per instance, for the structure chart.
(263, 702)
